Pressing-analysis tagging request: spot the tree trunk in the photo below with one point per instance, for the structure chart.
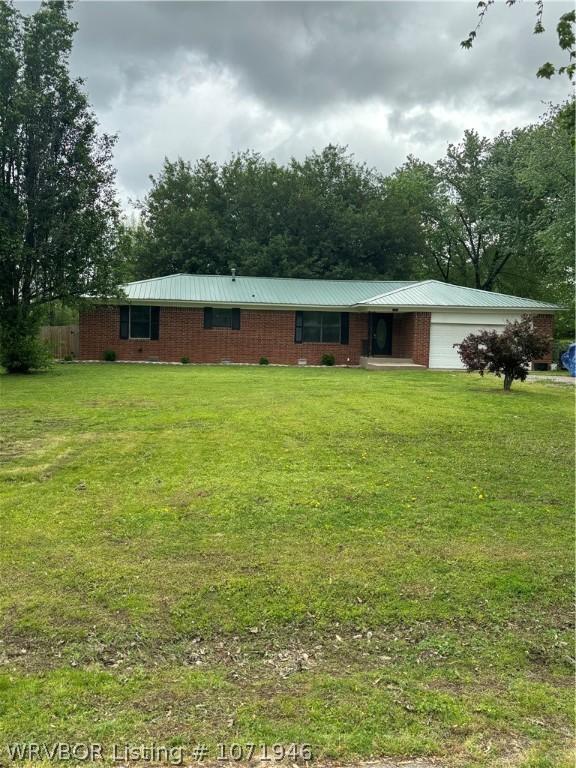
(508, 379)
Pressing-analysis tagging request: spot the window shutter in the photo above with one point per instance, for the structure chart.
(344, 327)
(207, 317)
(154, 322)
(298, 327)
(235, 319)
(124, 322)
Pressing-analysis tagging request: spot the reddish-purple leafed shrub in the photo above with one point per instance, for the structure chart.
(506, 354)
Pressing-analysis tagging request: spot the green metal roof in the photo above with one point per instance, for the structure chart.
(225, 289)
(433, 293)
(243, 290)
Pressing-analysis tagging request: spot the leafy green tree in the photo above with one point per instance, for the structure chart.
(350, 222)
(531, 185)
(486, 212)
(441, 251)
(544, 168)
(180, 219)
(469, 214)
(564, 31)
(58, 213)
(325, 216)
(499, 214)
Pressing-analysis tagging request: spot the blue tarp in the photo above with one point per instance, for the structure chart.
(569, 359)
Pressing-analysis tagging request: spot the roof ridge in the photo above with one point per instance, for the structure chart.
(150, 279)
(400, 284)
(452, 285)
(397, 290)
(317, 279)
(484, 290)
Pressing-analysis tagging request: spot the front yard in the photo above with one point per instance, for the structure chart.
(373, 564)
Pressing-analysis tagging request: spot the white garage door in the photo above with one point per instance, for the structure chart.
(449, 328)
(443, 354)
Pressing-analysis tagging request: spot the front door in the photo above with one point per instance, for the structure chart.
(381, 343)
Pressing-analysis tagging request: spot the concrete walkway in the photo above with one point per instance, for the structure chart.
(553, 379)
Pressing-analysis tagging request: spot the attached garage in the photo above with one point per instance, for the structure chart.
(449, 328)
(429, 317)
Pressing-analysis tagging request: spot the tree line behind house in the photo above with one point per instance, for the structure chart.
(495, 214)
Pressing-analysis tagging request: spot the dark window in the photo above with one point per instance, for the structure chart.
(139, 322)
(321, 326)
(222, 317)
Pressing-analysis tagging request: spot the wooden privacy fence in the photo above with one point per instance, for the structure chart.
(62, 340)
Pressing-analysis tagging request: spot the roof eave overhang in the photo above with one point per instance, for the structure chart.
(235, 304)
(320, 307)
(451, 308)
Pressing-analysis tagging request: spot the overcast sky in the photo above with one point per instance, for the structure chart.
(388, 79)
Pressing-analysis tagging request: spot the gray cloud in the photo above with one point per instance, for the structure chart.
(388, 79)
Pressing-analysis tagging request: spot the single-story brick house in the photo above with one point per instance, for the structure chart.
(229, 318)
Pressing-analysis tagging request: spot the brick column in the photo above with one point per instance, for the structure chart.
(544, 324)
(421, 338)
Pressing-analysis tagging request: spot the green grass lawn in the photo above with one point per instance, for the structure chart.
(376, 564)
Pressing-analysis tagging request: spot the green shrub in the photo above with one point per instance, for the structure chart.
(263, 361)
(68, 358)
(21, 351)
(109, 355)
(184, 360)
(327, 359)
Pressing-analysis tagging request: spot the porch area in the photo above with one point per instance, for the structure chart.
(396, 341)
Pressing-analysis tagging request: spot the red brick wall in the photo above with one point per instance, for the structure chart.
(263, 333)
(421, 336)
(545, 324)
(402, 330)
(411, 336)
